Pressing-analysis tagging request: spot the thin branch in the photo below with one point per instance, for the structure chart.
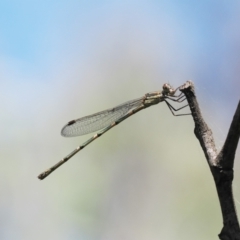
(221, 164)
(229, 148)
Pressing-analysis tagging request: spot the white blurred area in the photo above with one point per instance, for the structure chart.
(147, 178)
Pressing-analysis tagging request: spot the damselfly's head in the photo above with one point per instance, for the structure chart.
(168, 90)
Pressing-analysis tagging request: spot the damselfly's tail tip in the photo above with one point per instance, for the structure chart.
(42, 176)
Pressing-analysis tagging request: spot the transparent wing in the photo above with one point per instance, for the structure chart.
(98, 120)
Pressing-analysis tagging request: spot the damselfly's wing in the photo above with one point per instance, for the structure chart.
(98, 120)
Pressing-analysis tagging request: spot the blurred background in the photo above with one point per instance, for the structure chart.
(148, 177)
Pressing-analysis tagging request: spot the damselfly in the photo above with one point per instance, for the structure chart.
(107, 119)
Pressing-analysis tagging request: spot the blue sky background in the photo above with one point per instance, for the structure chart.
(145, 179)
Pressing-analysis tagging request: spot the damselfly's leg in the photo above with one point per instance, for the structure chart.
(172, 109)
(179, 98)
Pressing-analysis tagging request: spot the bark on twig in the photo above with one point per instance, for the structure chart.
(221, 164)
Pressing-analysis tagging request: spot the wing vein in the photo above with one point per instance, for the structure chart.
(97, 121)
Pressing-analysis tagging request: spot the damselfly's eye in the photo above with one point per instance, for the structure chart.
(166, 87)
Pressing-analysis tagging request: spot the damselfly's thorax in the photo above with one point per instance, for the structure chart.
(159, 96)
(152, 98)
